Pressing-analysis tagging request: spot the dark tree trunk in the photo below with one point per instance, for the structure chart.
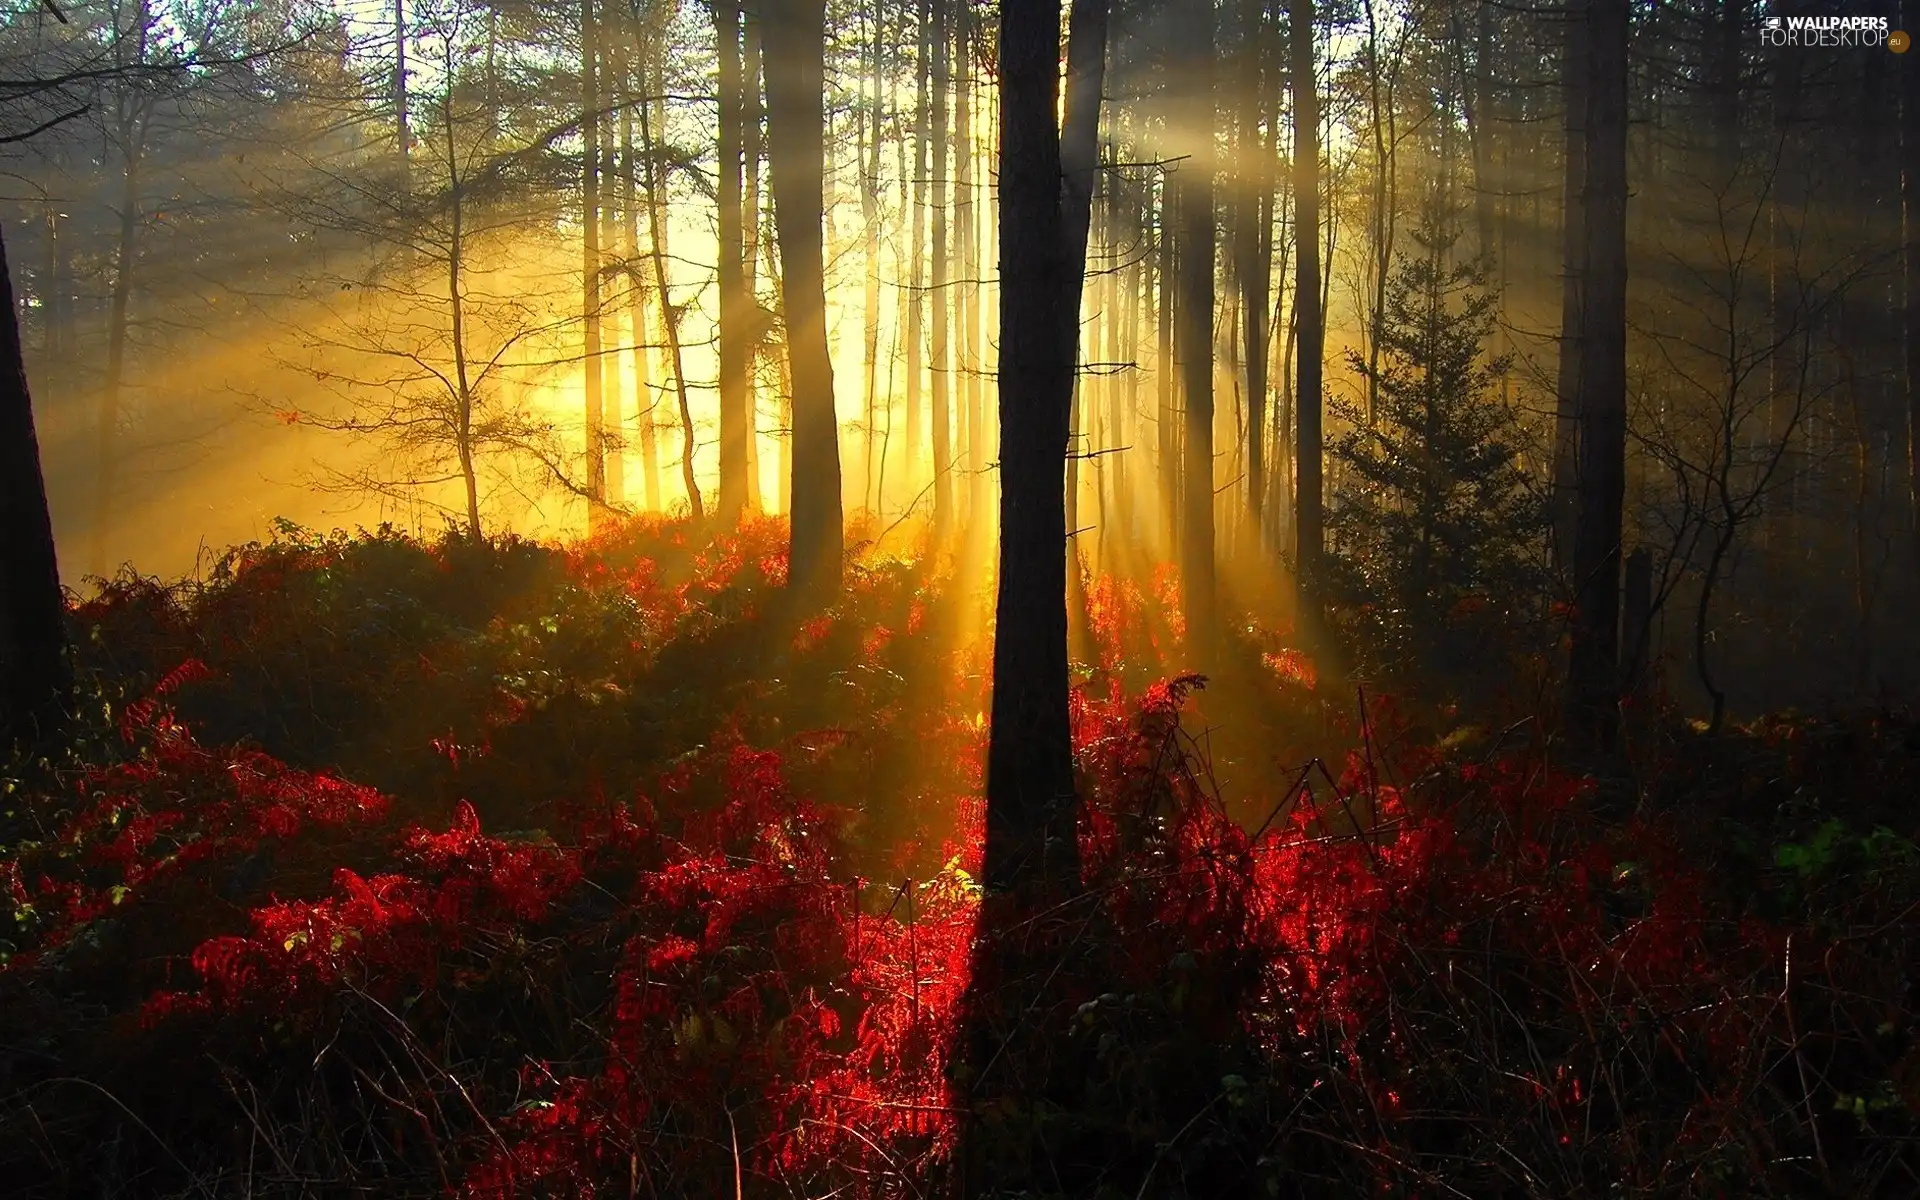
(590, 365)
(736, 304)
(1195, 180)
(796, 152)
(940, 300)
(1910, 263)
(1253, 252)
(34, 678)
(1167, 428)
(107, 434)
(1593, 676)
(1566, 440)
(654, 181)
(1030, 801)
(869, 127)
(917, 246)
(751, 140)
(646, 400)
(1309, 534)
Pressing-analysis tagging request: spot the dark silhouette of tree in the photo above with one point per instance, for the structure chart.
(591, 263)
(1910, 261)
(1195, 327)
(736, 300)
(1593, 669)
(1045, 211)
(1309, 533)
(796, 150)
(1573, 88)
(34, 675)
(1436, 530)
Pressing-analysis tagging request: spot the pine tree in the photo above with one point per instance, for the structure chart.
(1435, 521)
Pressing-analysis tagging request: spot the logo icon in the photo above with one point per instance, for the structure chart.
(1773, 22)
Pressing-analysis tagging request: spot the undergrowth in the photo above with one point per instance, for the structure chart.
(497, 869)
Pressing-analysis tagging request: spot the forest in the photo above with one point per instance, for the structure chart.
(965, 599)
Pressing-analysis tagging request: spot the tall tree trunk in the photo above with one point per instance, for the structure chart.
(736, 305)
(1195, 329)
(402, 135)
(939, 299)
(751, 144)
(1593, 677)
(34, 673)
(1910, 269)
(613, 55)
(1574, 86)
(662, 289)
(1166, 367)
(1253, 252)
(966, 292)
(1030, 802)
(1309, 536)
(457, 311)
(869, 126)
(796, 82)
(1786, 204)
(590, 365)
(107, 437)
(916, 251)
(646, 401)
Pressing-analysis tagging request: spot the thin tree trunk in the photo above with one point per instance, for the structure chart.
(35, 676)
(751, 144)
(869, 126)
(966, 294)
(1195, 330)
(1166, 368)
(1311, 333)
(735, 301)
(916, 252)
(1253, 254)
(613, 52)
(646, 401)
(457, 311)
(590, 365)
(796, 70)
(1910, 270)
(108, 433)
(669, 313)
(942, 374)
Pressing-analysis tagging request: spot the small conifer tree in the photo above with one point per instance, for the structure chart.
(1434, 518)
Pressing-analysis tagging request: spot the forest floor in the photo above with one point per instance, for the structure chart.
(388, 867)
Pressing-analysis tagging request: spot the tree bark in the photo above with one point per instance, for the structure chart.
(1309, 535)
(1195, 329)
(1253, 252)
(1910, 268)
(735, 302)
(869, 127)
(796, 70)
(1030, 800)
(916, 249)
(942, 378)
(669, 314)
(646, 402)
(35, 674)
(1593, 677)
(1574, 71)
(590, 366)
(751, 144)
